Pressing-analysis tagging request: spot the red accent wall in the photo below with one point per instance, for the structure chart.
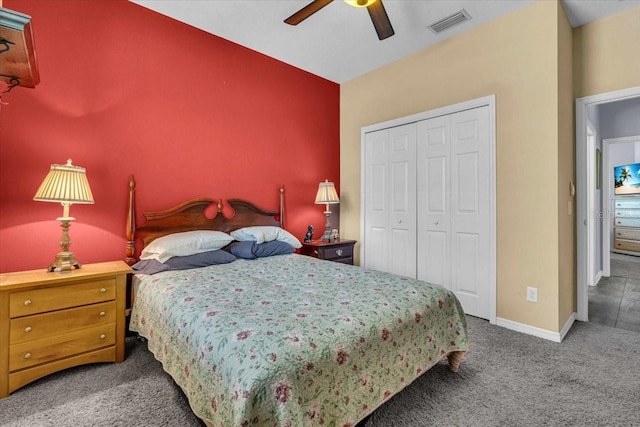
(125, 91)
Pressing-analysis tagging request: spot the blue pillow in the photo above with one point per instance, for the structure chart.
(242, 249)
(149, 266)
(202, 259)
(274, 247)
(252, 250)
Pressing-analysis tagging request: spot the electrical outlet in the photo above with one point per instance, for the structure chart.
(532, 294)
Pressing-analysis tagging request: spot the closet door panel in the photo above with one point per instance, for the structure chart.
(390, 205)
(402, 222)
(467, 261)
(433, 204)
(435, 268)
(466, 183)
(376, 200)
(470, 210)
(376, 244)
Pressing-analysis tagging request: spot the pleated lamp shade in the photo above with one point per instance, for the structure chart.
(327, 193)
(65, 184)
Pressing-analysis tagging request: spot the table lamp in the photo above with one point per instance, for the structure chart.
(327, 194)
(66, 184)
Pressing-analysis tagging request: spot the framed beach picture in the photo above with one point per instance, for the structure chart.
(626, 179)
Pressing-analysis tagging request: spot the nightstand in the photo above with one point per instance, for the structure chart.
(338, 251)
(53, 321)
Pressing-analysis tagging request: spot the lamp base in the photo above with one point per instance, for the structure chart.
(327, 227)
(326, 236)
(65, 262)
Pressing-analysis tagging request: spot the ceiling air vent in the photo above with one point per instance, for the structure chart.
(450, 21)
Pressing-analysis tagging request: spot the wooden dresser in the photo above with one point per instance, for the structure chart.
(339, 251)
(626, 226)
(53, 321)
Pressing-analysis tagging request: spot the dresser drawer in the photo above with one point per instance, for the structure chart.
(626, 233)
(627, 213)
(627, 222)
(333, 253)
(627, 204)
(627, 245)
(38, 326)
(339, 251)
(57, 347)
(56, 298)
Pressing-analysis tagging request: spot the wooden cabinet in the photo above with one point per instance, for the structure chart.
(18, 64)
(53, 321)
(338, 251)
(626, 226)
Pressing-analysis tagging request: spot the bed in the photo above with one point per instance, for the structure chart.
(286, 340)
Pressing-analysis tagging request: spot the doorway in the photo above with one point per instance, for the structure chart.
(585, 219)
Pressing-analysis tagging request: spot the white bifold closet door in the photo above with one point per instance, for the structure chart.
(390, 200)
(454, 216)
(427, 195)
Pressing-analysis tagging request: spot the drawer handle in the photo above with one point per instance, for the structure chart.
(27, 302)
(339, 252)
(103, 290)
(27, 329)
(27, 356)
(103, 336)
(102, 314)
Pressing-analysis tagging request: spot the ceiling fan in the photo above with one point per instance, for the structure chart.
(376, 10)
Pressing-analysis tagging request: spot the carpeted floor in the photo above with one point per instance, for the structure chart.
(508, 379)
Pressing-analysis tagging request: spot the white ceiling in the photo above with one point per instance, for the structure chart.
(339, 42)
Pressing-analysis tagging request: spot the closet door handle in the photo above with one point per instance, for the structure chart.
(435, 222)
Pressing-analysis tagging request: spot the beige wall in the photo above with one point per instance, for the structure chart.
(606, 54)
(516, 58)
(529, 60)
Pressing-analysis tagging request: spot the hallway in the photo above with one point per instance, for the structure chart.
(615, 301)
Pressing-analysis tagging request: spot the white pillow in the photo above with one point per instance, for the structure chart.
(261, 234)
(187, 243)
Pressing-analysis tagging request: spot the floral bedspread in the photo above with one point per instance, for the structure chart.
(291, 340)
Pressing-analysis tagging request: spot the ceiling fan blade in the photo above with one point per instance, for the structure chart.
(306, 11)
(380, 20)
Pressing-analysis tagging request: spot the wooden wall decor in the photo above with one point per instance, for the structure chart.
(18, 63)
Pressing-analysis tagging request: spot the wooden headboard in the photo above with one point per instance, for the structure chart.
(190, 215)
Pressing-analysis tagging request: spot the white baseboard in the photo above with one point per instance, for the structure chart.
(538, 332)
(597, 278)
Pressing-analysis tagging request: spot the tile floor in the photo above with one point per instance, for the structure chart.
(615, 302)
